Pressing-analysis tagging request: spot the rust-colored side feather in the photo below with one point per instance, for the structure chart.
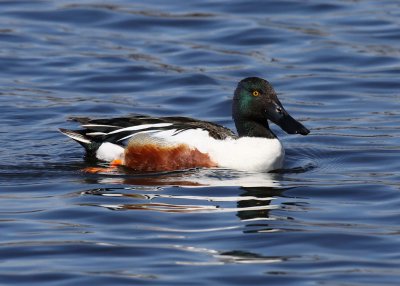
(153, 157)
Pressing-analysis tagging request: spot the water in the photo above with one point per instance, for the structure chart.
(331, 218)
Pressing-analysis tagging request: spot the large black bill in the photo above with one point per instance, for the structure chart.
(292, 126)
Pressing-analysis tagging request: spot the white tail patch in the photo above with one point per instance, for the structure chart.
(109, 152)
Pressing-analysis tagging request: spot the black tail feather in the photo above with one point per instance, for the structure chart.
(79, 136)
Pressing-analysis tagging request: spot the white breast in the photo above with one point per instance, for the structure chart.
(249, 153)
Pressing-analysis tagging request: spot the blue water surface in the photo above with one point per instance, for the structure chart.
(330, 218)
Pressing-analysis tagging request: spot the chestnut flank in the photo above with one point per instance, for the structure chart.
(152, 157)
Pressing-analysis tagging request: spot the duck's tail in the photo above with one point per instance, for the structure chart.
(88, 143)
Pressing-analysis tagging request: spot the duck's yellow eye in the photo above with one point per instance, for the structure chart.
(256, 93)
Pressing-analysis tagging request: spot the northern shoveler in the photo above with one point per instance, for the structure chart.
(146, 143)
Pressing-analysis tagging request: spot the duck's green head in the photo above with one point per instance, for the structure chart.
(254, 103)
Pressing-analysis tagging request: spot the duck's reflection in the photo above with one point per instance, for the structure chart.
(189, 178)
(232, 257)
(258, 207)
(251, 198)
(192, 192)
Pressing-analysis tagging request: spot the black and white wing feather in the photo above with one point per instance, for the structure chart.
(118, 130)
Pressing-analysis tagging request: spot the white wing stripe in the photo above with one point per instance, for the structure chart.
(98, 125)
(140, 127)
(96, 134)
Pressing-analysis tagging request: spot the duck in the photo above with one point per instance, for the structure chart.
(156, 144)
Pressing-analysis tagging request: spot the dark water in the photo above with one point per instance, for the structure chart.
(332, 218)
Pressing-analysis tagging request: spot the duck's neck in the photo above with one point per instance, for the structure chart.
(253, 129)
